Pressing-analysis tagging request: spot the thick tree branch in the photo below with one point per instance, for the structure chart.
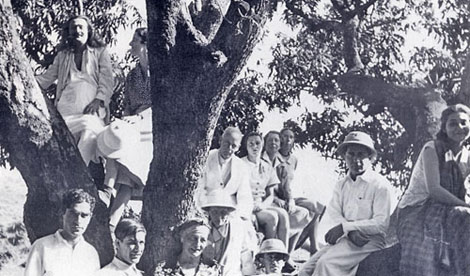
(464, 95)
(358, 10)
(313, 24)
(418, 114)
(351, 45)
(340, 7)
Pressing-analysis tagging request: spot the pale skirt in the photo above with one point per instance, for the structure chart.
(134, 165)
(84, 127)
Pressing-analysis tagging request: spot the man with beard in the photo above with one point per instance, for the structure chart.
(129, 245)
(83, 72)
(359, 209)
(66, 252)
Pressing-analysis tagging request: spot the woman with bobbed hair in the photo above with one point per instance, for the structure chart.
(434, 214)
(272, 220)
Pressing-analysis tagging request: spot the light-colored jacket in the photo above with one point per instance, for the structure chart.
(96, 63)
(238, 185)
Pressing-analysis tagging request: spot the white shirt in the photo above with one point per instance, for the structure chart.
(362, 205)
(417, 191)
(119, 268)
(52, 255)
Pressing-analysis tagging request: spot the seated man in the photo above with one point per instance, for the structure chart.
(360, 208)
(272, 257)
(227, 242)
(226, 171)
(66, 252)
(83, 72)
(129, 244)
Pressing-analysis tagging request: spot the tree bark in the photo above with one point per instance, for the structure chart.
(188, 92)
(40, 146)
(464, 95)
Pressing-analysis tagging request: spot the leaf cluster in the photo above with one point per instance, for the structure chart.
(309, 63)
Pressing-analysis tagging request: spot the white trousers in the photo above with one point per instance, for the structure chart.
(341, 259)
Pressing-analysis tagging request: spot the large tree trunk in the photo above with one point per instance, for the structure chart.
(189, 90)
(40, 146)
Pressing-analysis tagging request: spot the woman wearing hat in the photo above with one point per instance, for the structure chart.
(263, 178)
(434, 214)
(128, 165)
(272, 257)
(192, 236)
(359, 209)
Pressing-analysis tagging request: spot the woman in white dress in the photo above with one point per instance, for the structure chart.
(128, 160)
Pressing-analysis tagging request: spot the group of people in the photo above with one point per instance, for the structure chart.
(83, 73)
(248, 194)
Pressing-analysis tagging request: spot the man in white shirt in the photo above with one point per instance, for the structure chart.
(66, 252)
(129, 244)
(360, 209)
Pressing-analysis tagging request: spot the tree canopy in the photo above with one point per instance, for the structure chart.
(363, 38)
(346, 55)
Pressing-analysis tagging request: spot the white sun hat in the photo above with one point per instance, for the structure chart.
(117, 138)
(357, 138)
(218, 198)
(273, 246)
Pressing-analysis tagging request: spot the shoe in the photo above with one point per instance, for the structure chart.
(106, 195)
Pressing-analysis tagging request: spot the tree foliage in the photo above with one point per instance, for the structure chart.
(311, 61)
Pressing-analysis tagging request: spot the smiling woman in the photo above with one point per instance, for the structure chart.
(434, 214)
(193, 236)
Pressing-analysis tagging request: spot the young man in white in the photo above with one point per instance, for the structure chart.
(359, 209)
(129, 244)
(66, 252)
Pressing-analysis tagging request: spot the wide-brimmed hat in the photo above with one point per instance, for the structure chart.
(117, 138)
(357, 138)
(218, 198)
(272, 246)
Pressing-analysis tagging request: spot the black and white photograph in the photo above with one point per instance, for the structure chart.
(234, 137)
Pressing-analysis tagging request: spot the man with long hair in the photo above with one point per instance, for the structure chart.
(83, 72)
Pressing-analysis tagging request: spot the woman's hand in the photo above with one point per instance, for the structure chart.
(290, 205)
